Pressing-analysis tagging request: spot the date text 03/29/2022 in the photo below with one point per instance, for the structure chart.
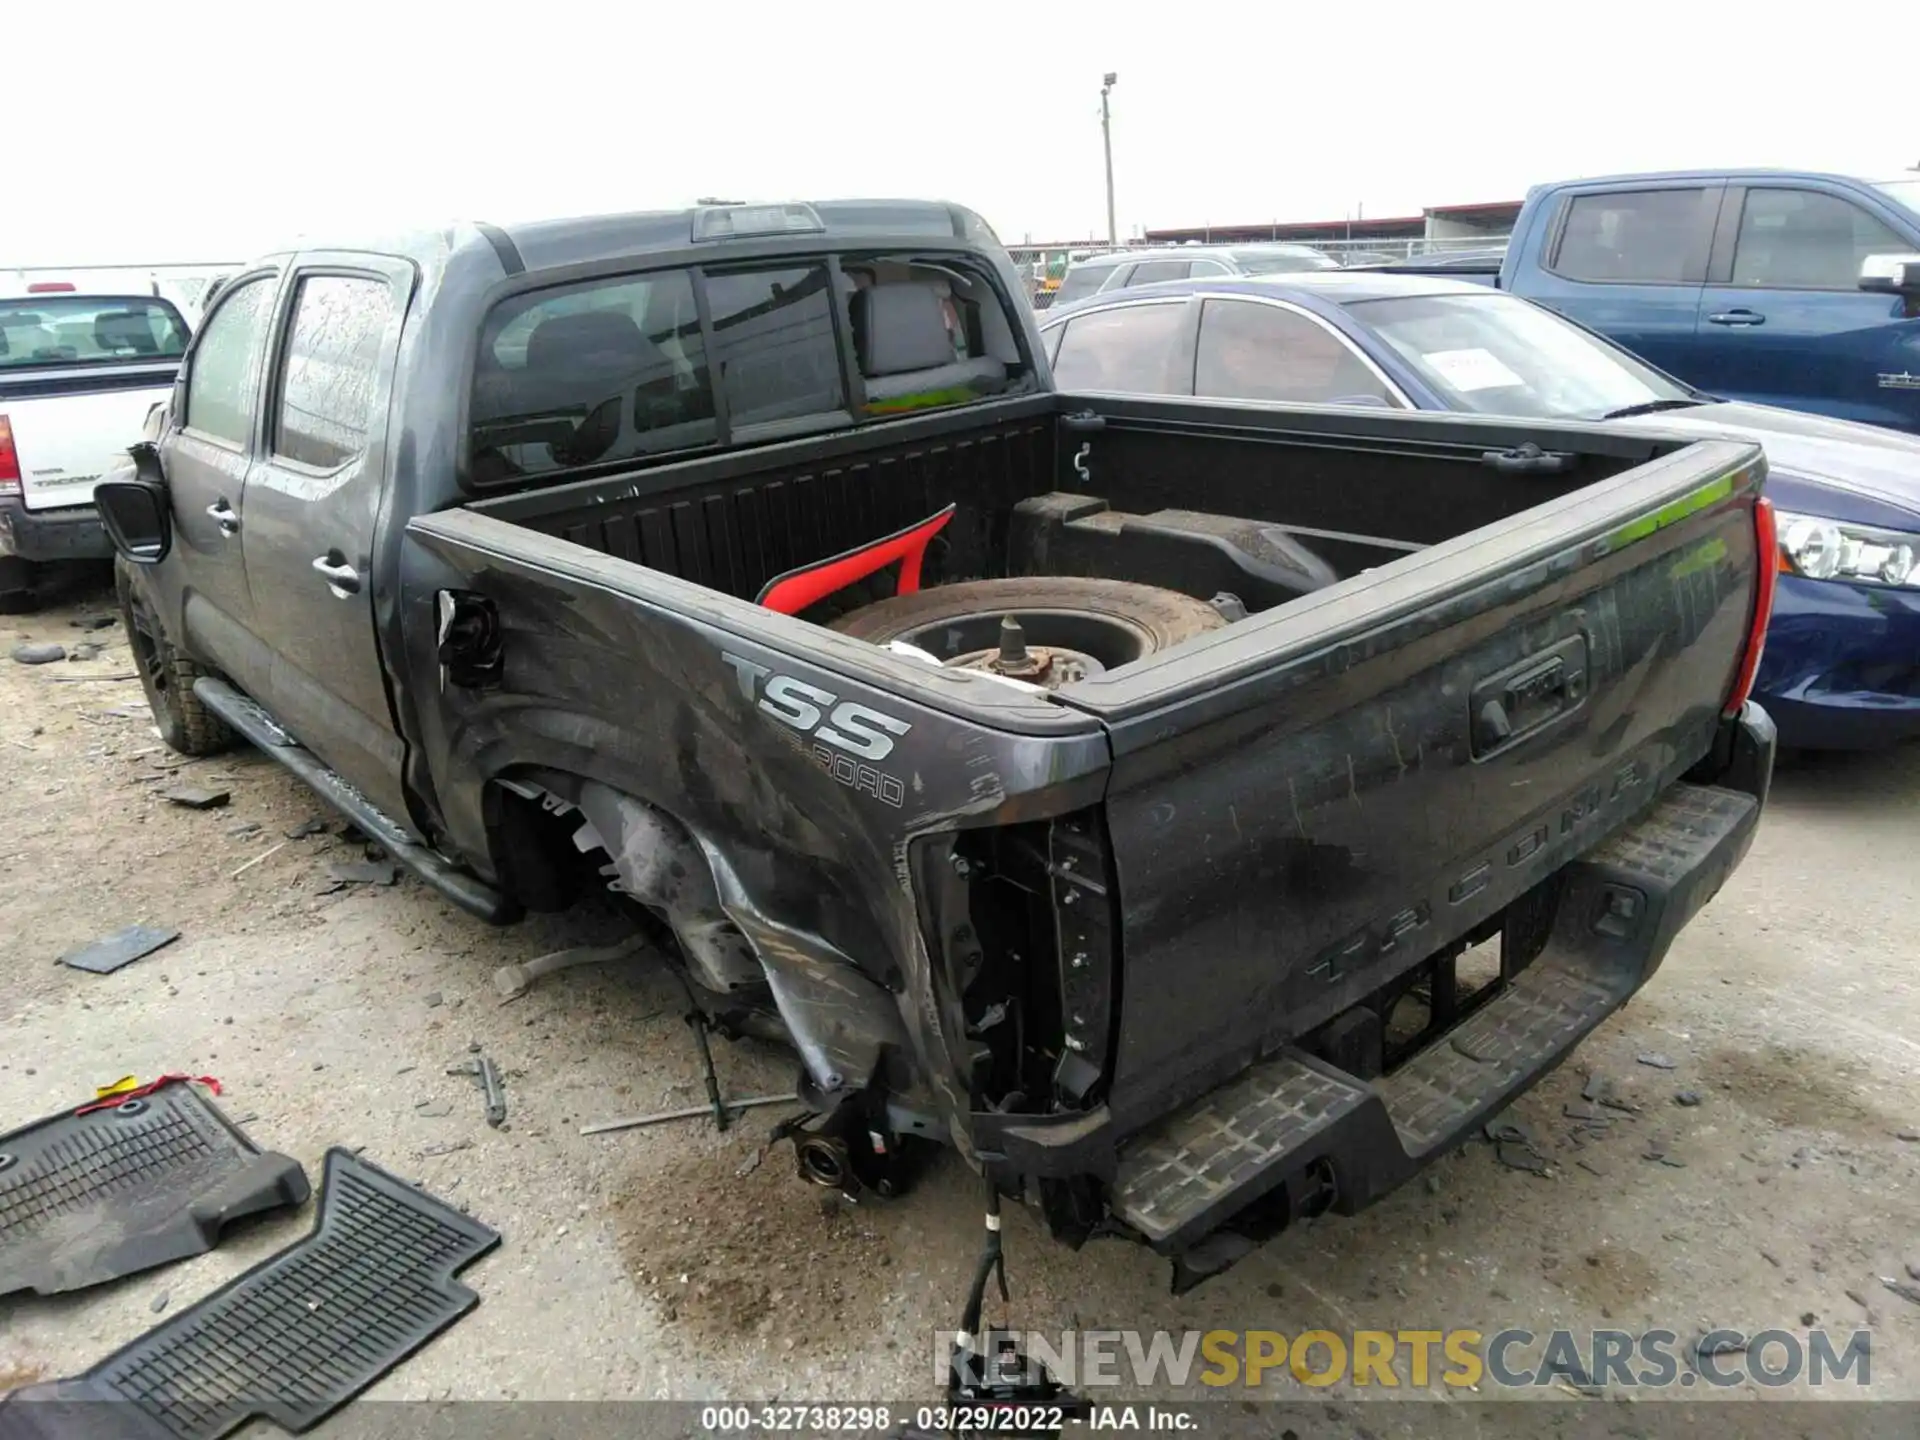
(1038, 1419)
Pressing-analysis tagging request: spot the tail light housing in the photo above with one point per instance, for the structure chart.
(50, 287)
(1766, 542)
(9, 460)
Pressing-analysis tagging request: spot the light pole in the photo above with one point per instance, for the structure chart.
(1106, 141)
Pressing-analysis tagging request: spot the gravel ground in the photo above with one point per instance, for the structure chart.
(679, 1262)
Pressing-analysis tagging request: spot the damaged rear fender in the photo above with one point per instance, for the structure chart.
(841, 1020)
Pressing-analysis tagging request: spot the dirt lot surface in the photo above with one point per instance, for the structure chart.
(681, 1262)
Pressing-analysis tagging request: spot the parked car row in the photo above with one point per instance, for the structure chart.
(1842, 664)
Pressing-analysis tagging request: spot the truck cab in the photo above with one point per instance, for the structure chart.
(1776, 287)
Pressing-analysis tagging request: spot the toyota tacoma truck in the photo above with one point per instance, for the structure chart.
(1199, 815)
(78, 375)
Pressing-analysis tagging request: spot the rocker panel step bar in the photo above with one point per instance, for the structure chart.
(246, 716)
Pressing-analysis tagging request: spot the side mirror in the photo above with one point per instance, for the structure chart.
(136, 513)
(1891, 274)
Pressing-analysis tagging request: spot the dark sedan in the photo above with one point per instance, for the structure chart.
(1842, 666)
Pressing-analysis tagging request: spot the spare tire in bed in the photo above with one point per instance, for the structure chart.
(1047, 630)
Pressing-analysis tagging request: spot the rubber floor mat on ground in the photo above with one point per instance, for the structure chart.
(292, 1339)
(89, 1198)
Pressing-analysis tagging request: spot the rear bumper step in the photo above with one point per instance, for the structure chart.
(469, 892)
(1291, 1132)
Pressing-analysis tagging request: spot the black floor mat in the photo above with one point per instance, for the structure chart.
(292, 1339)
(89, 1198)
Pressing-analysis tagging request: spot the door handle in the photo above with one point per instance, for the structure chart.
(224, 517)
(341, 576)
(1740, 316)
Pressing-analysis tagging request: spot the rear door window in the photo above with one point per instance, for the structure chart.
(1251, 351)
(1648, 237)
(1128, 349)
(778, 355)
(1081, 281)
(1806, 240)
(333, 354)
(1149, 272)
(583, 374)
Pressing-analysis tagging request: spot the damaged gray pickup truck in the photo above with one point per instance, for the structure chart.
(1199, 815)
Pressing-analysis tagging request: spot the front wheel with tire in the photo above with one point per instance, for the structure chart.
(1045, 630)
(166, 675)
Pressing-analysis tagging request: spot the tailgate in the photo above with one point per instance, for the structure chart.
(1312, 802)
(68, 438)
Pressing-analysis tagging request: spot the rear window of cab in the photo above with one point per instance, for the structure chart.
(619, 369)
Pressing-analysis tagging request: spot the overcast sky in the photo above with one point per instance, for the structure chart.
(217, 130)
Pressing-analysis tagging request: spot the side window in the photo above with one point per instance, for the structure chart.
(1208, 267)
(1128, 349)
(1050, 342)
(778, 357)
(1148, 272)
(327, 380)
(1646, 236)
(223, 379)
(1806, 240)
(1250, 351)
(1080, 281)
(583, 374)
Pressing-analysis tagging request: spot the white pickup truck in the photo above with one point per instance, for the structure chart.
(78, 375)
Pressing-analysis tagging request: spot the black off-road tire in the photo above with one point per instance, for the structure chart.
(17, 595)
(167, 676)
(1161, 618)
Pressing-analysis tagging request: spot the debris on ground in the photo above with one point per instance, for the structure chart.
(84, 651)
(312, 825)
(363, 872)
(487, 1074)
(513, 981)
(41, 653)
(691, 1112)
(450, 1147)
(1508, 1131)
(197, 797)
(265, 854)
(1657, 1151)
(95, 622)
(1686, 1099)
(1601, 1090)
(1520, 1157)
(123, 947)
(160, 1301)
(1909, 1293)
(1656, 1060)
(1718, 1342)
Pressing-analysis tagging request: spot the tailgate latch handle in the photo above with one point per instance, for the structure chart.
(1511, 706)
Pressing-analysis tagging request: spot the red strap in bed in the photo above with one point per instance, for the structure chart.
(798, 589)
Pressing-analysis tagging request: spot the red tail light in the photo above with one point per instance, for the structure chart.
(1766, 554)
(9, 460)
(50, 287)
